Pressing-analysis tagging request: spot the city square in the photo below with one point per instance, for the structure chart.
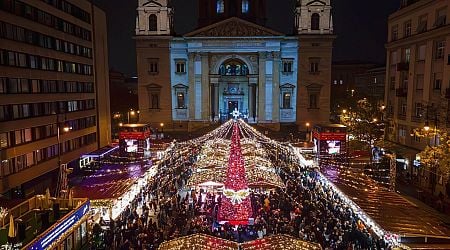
(224, 124)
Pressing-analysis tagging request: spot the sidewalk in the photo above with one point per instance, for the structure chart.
(425, 201)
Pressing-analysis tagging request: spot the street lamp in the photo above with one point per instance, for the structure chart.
(308, 137)
(427, 126)
(62, 183)
(131, 113)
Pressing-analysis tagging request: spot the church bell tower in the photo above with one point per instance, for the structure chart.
(154, 17)
(314, 28)
(313, 17)
(212, 11)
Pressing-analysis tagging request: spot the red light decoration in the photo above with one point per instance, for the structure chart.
(235, 206)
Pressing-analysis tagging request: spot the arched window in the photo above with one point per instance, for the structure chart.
(233, 68)
(220, 6)
(315, 21)
(152, 23)
(244, 6)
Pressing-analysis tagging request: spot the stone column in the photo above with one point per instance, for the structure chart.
(191, 92)
(276, 87)
(215, 96)
(253, 81)
(206, 109)
(262, 86)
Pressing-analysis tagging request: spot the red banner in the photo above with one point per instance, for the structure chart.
(330, 136)
(134, 135)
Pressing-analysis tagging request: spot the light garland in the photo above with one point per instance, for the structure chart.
(236, 206)
(199, 241)
(3, 213)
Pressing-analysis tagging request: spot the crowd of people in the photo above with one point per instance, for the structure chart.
(307, 208)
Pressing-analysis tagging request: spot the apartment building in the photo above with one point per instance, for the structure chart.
(54, 90)
(417, 74)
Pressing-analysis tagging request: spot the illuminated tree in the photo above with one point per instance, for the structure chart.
(364, 123)
(436, 159)
(235, 206)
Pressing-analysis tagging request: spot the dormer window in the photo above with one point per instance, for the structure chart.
(244, 6)
(220, 6)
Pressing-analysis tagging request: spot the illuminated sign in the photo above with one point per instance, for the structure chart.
(134, 135)
(63, 226)
(330, 136)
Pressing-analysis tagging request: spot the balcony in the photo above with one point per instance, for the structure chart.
(401, 116)
(401, 92)
(403, 66)
(447, 93)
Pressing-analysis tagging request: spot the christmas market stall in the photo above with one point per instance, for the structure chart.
(112, 187)
(199, 241)
(276, 242)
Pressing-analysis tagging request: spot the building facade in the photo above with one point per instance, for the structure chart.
(417, 78)
(232, 61)
(54, 92)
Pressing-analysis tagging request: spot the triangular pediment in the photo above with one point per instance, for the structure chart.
(152, 3)
(233, 27)
(287, 86)
(315, 3)
(153, 86)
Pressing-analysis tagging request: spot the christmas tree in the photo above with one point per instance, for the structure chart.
(235, 206)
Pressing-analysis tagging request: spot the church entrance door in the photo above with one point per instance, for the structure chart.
(232, 105)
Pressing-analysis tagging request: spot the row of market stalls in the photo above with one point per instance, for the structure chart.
(207, 242)
(211, 167)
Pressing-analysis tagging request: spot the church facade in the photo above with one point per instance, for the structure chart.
(233, 62)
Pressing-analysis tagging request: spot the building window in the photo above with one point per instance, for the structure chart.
(155, 101)
(403, 108)
(153, 66)
(287, 100)
(244, 6)
(315, 21)
(439, 49)
(313, 101)
(220, 6)
(288, 65)
(407, 55)
(181, 101)
(4, 140)
(402, 132)
(180, 66)
(423, 23)
(421, 51)
(314, 65)
(152, 23)
(233, 68)
(437, 81)
(407, 29)
(394, 33)
(418, 109)
(441, 17)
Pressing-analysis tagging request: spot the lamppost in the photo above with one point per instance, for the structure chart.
(162, 129)
(308, 136)
(130, 113)
(62, 185)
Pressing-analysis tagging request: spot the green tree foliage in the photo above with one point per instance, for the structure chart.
(364, 122)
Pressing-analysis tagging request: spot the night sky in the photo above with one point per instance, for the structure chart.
(359, 25)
